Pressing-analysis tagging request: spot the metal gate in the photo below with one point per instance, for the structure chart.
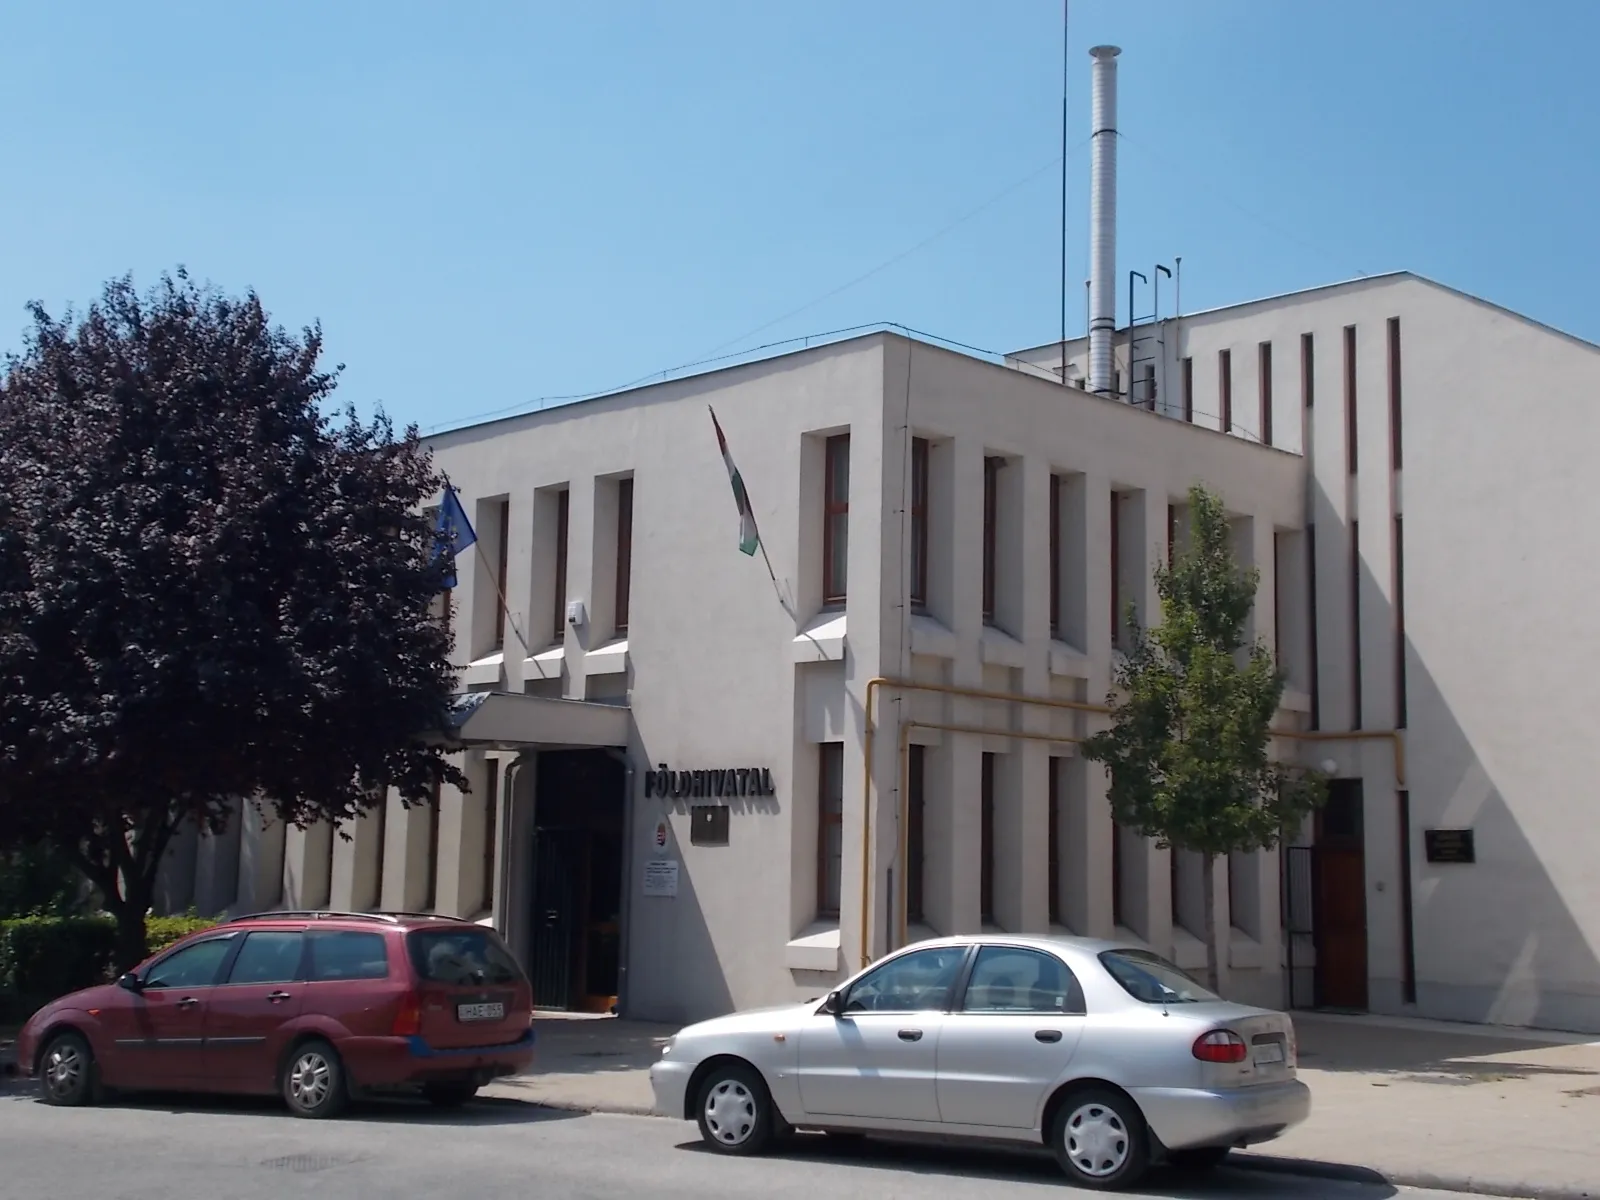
(1300, 924)
(555, 915)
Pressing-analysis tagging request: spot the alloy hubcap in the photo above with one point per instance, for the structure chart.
(1097, 1140)
(731, 1112)
(63, 1069)
(310, 1080)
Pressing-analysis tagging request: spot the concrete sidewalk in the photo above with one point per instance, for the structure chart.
(1420, 1103)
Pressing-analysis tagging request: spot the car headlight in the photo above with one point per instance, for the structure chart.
(666, 1048)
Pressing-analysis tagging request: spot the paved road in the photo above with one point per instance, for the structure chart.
(155, 1149)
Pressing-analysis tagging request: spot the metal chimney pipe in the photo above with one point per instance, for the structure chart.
(1103, 219)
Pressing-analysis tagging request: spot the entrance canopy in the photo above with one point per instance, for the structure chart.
(507, 721)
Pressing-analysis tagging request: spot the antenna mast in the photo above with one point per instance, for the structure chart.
(1065, 7)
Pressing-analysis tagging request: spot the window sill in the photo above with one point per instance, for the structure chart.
(999, 649)
(815, 949)
(930, 638)
(1244, 951)
(1295, 701)
(488, 671)
(610, 659)
(546, 664)
(1067, 660)
(1188, 951)
(821, 641)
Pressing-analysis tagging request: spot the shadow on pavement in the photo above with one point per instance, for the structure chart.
(584, 1045)
(1005, 1164)
(485, 1110)
(1435, 1054)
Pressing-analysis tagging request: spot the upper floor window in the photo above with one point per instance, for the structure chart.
(919, 522)
(1265, 353)
(563, 511)
(991, 534)
(1225, 387)
(502, 554)
(836, 520)
(624, 552)
(1055, 555)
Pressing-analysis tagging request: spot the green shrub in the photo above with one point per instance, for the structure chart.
(161, 932)
(44, 957)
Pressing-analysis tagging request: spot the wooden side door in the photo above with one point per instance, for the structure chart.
(1341, 905)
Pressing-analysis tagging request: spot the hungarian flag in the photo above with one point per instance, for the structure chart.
(749, 536)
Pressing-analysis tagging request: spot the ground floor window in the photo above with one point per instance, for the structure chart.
(830, 827)
(915, 804)
(986, 868)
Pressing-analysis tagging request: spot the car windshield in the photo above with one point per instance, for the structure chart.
(467, 956)
(1152, 979)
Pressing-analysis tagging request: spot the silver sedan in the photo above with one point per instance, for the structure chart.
(1108, 1054)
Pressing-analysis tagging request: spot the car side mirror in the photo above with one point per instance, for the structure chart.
(130, 982)
(834, 1004)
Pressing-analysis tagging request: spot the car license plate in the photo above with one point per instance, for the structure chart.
(1268, 1054)
(480, 1012)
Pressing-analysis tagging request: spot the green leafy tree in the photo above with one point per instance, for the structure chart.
(1187, 750)
(212, 587)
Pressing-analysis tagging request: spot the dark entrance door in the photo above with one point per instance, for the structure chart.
(1340, 882)
(577, 879)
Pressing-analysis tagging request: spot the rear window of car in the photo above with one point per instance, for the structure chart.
(347, 954)
(465, 957)
(1152, 979)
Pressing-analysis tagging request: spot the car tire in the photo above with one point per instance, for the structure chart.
(1100, 1140)
(735, 1110)
(449, 1095)
(1203, 1158)
(313, 1083)
(67, 1071)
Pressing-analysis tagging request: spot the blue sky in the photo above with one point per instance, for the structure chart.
(486, 204)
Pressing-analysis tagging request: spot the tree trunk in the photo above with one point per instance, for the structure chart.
(1208, 876)
(130, 912)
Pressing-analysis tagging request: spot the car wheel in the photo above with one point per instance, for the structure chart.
(313, 1082)
(449, 1095)
(1099, 1139)
(66, 1071)
(1203, 1158)
(735, 1110)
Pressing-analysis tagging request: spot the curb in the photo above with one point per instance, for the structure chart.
(1344, 1173)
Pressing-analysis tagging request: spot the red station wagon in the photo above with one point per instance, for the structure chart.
(315, 1006)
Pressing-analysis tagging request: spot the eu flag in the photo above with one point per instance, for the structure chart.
(453, 532)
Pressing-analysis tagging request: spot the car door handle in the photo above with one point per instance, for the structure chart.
(188, 1002)
(1048, 1035)
(276, 997)
(911, 1035)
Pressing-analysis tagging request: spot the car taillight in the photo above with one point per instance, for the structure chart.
(1219, 1046)
(408, 1017)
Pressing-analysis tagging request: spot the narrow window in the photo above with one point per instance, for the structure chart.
(991, 538)
(382, 814)
(1188, 390)
(1172, 532)
(1236, 899)
(491, 831)
(1355, 624)
(915, 804)
(1174, 886)
(1266, 392)
(563, 508)
(1308, 370)
(830, 826)
(1399, 624)
(919, 523)
(1394, 393)
(1311, 617)
(986, 848)
(431, 879)
(501, 554)
(1116, 566)
(1053, 765)
(1277, 599)
(1116, 875)
(836, 520)
(624, 551)
(1225, 387)
(1408, 933)
(1055, 555)
(1350, 398)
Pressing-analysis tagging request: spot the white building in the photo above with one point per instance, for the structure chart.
(963, 526)
(723, 788)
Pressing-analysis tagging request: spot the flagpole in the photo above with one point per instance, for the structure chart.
(504, 607)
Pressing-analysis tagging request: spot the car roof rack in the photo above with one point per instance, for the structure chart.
(312, 914)
(415, 916)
